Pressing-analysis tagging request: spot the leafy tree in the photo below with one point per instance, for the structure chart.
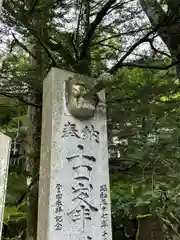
(164, 17)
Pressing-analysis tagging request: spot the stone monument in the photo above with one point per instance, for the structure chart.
(5, 146)
(74, 199)
(1, 2)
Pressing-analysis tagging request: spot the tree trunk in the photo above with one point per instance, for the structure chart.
(33, 168)
(33, 148)
(169, 26)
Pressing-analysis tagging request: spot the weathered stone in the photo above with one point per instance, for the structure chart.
(74, 201)
(1, 2)
(5, 146)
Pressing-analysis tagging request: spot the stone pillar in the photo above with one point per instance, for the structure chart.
(1, 2)
(5, 146)
(74, 200)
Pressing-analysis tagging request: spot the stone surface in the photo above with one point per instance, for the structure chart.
(74, 201)
(5, 146)
(1, 2)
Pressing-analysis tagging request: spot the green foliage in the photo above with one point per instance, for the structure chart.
(145, 136)
(14, 216)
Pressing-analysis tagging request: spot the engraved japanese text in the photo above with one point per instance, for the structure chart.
(58, 208)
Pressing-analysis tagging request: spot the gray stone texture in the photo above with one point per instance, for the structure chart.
(74, 200)
(5, 146)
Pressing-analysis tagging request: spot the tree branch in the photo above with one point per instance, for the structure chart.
(120, 34)
(21, 198)
(98, 3)
(44, 46)
(78, 24)
(87, 55)
(23, 46)
(87, 15)
(93, 26)
(109, 46)
(153, 10)
(157, 50)
(162, 67)
(131, 49)
(72, 39)
(58, 46)
(21, 99)
(24, 23)
(33, 7)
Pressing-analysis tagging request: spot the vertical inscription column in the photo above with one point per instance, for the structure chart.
(74, 201)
